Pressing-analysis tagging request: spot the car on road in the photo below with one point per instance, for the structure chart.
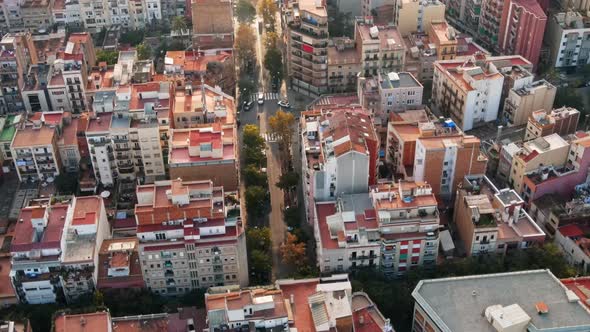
(246, 106)
(284, 104)
(260, 98)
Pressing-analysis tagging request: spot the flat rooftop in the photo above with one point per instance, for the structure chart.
(456, 304)
(398, 80)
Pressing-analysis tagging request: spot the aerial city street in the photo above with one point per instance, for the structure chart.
(294, 165)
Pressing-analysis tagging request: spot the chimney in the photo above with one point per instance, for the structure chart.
(499, 133)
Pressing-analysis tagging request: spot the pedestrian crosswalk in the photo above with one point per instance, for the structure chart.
(267, 96)
(270, 137)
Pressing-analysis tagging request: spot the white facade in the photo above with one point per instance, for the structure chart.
(73, 13)
(101, 155)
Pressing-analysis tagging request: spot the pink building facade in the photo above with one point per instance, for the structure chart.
(563, 180)
(522, 29)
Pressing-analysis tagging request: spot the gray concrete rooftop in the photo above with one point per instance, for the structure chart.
(457, 304)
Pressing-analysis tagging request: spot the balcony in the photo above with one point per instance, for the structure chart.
(313, 22)
(167, 264)
(169, 273)
(170, 282)
(307, 32)
(361, 257)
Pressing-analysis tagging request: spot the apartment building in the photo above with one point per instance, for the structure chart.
(212, 24)
(568, 37)
(85, 228)
(523, 100)
(11, 14)
(68, 81)
(470, 90)
(522, 29)
(100, 148)
(563, 179)
(416, 16)
(36, 250)
(305, 23)
(381, 48)
(562, 121)
(33, 92)
(492, 220)
(343, 65)
(395, 92)
(550, 150)
(182, 66)
(262, 307)
(574, 245)
(9, 126)
(186, 240)
(274, 306)
(507, 153)
(443, 161)
(529, 300)
(35, 154)
(202, 105)
(442, 42)
(36, 14)
(339, 154)
(403, 130)
(205, 153)
(118, 265)
(392, 228)
(14, 61)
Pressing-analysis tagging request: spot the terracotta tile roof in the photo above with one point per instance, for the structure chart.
(99, 322)
(29, 137)
(23, 237)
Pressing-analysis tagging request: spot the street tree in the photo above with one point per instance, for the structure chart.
(567, 96)
(256, 199)
(110, 57)
(293, 251)
(260, 262)
(271, 40)
(282, 126)
(245, 11)
(244, 44)
(253, 176)
(251, 137)
(273, 62)
(144, 51)
(268, 10)
(288, 181)
(258, 238)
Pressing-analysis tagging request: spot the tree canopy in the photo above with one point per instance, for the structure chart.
(256, 199)
(293, 251)
(244, 44)
(288, 181)
(144, 51)
(245, 11)
(268, 10)
(110, 57)
(273, 62)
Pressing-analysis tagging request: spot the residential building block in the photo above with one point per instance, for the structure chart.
(305, 23)
(562, 121)
(416, 16)
(381, 48)
(118, 265)
(514, 309)
(492, 220)
(568, 37)
(550, 150)
(470, 90)
(186, 239)
(523, 100)
(343, 65)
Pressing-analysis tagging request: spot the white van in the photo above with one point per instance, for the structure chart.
(260, 98)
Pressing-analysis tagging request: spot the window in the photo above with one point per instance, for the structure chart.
(160, 236)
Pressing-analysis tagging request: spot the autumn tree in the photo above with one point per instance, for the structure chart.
(271, 40)
(293, 251)
(282, 126)
(268, 10)
(244, 44)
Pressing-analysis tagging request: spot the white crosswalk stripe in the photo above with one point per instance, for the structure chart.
(269, 137)
(267, 96)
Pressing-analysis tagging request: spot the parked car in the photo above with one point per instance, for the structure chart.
(284, 103)
(260, 98)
